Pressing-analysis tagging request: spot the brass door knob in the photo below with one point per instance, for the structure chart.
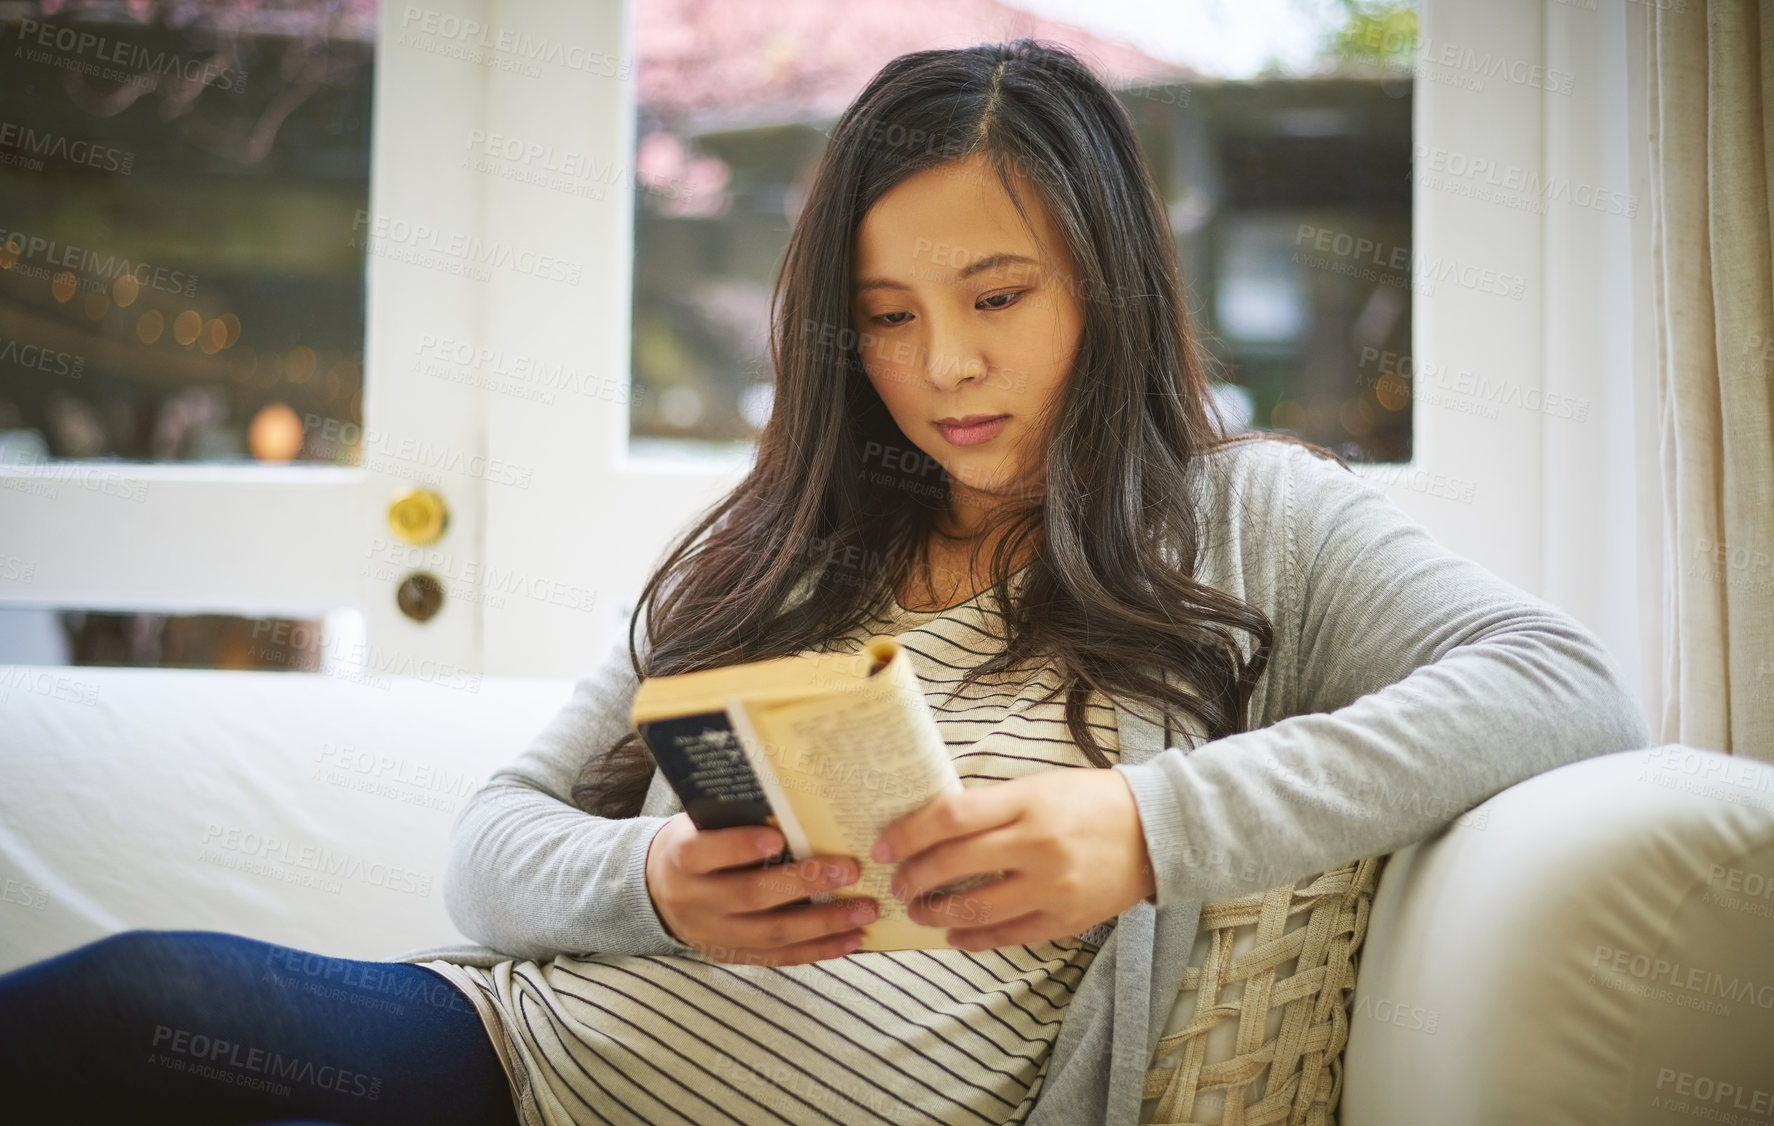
(419, 516)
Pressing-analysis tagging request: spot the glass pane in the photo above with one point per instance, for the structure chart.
(336, 644)
(35, 636)
(1279, 132)
(178, 185)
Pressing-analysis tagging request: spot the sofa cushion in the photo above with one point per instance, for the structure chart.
(296, 808)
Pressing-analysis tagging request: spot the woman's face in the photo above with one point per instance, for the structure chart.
(965, 316)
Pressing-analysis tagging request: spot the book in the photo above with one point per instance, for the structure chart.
(828, 748)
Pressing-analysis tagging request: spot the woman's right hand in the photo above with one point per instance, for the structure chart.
(710, 893)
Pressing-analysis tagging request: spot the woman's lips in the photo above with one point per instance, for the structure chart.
(974, 434)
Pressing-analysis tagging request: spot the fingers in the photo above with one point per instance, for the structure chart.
(758, 889)
(813, 950)
(1036, 926)
(1004, 898)
(718, 896)
(1003, 849)
(711, 850)
(797, 924)
(950, 815)
(998, 914)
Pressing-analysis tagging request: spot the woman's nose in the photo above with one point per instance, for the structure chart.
(952, 360)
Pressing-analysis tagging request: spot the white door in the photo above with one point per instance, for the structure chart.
(307, 540)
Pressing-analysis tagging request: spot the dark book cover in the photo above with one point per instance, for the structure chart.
(701, 757)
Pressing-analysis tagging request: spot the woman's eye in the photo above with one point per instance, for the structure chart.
(1005, 301)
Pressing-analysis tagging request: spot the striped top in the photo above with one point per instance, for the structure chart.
(932, 1036)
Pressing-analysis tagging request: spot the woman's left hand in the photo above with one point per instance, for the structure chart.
(1068, 841)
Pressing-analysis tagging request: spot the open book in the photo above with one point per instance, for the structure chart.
(829, 748)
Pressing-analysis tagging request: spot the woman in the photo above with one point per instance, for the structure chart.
(1172, 667)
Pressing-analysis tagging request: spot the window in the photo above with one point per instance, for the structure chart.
(1280, 135)
(164, 176)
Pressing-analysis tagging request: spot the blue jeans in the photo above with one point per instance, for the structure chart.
(210, 1029)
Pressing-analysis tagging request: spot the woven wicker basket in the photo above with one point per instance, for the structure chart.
(1300, 1068)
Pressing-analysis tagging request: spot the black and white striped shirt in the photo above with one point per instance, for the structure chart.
(903, 1036)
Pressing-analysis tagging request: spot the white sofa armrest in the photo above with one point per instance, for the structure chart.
(1593, 945)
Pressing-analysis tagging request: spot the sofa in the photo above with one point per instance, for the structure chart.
(1594, 945)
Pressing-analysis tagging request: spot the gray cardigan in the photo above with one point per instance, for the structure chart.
(1406, 684)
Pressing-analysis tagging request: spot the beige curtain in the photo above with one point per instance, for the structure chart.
(1711, 78)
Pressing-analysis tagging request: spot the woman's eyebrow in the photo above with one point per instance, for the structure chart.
(965, 272)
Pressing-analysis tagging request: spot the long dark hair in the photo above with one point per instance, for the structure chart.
(839, 504)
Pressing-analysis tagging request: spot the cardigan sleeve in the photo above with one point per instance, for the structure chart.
(1412, 683)
(529, 873)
